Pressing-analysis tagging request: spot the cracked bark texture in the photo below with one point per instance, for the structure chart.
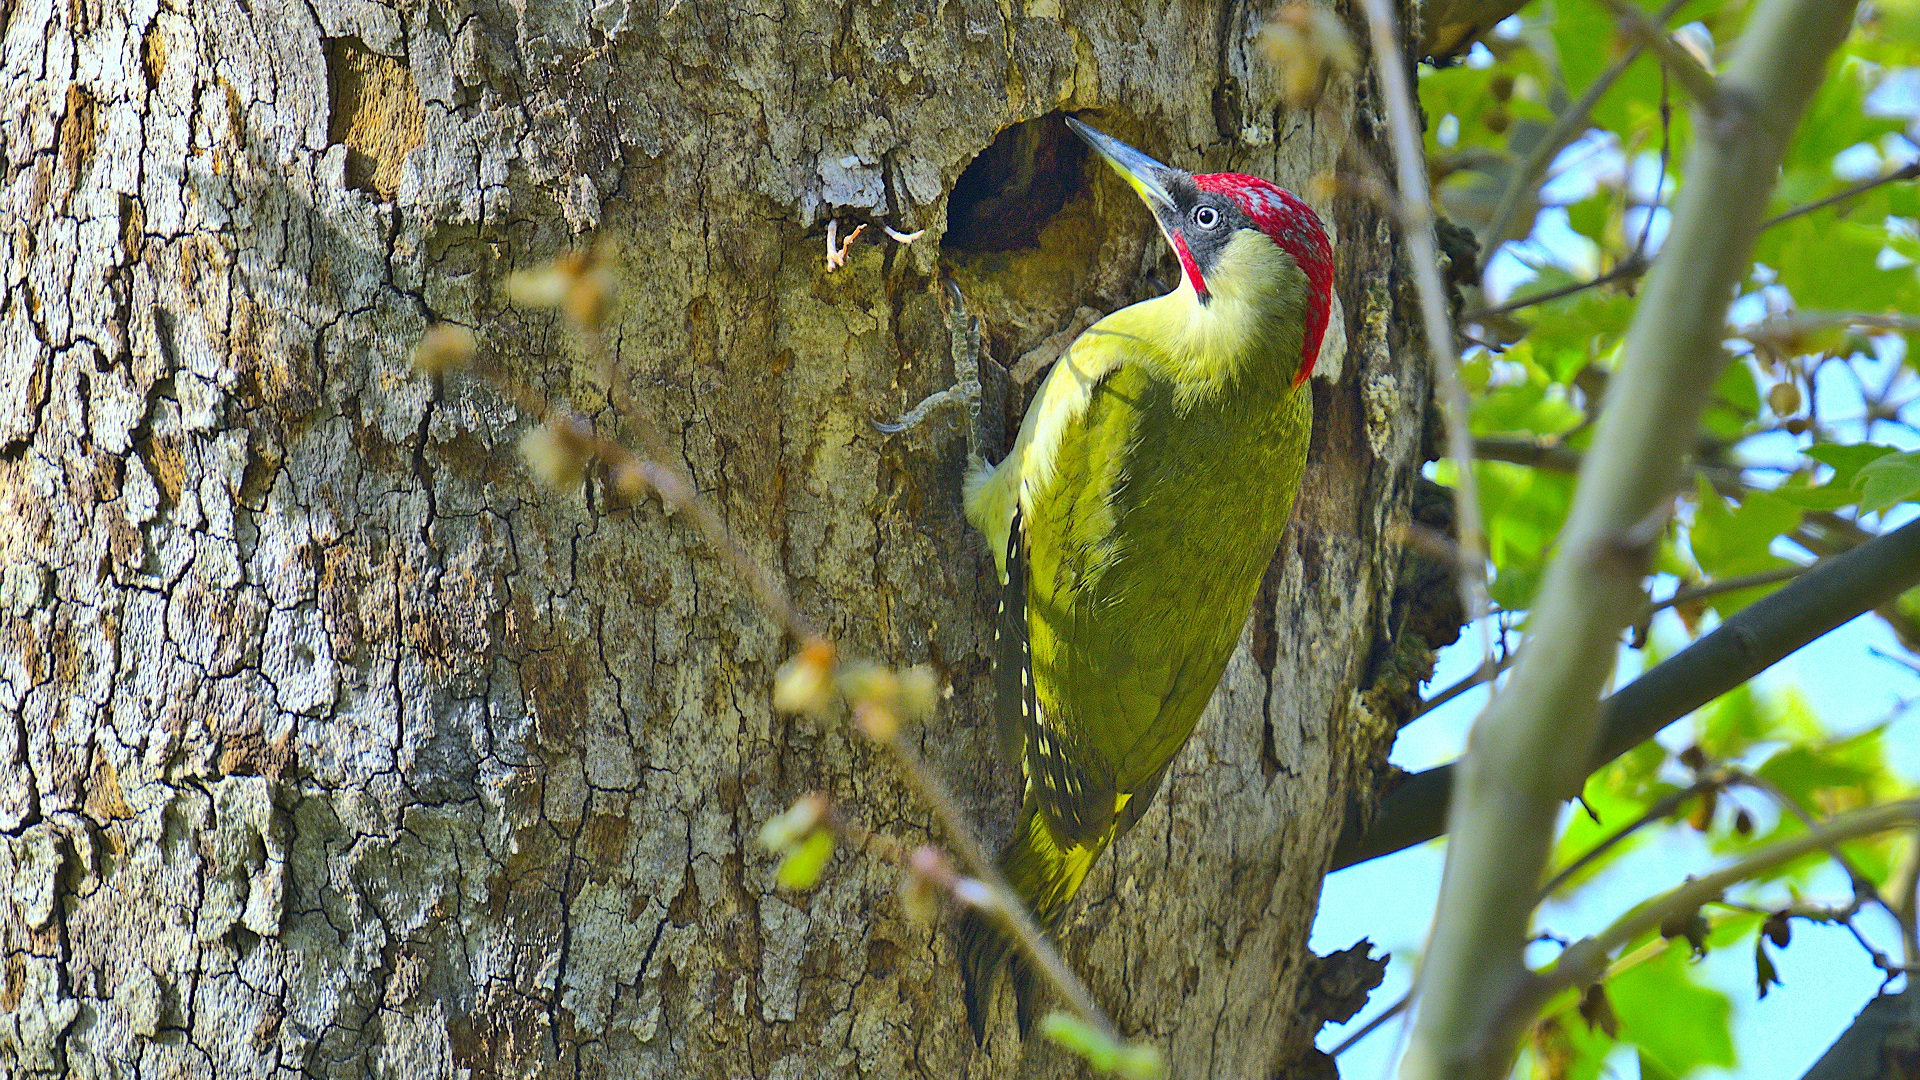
(333, 746)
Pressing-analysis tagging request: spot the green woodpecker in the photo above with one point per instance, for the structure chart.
(1132, 521)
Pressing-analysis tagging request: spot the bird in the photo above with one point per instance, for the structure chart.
(1131, 523)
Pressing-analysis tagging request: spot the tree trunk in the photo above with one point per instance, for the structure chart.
(337, 746)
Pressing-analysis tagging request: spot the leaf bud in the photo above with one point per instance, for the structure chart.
(919, 691)
(444, 347)
(880, 722)
(781, 833)
(557, 455)
(804, 684)
(802, 867)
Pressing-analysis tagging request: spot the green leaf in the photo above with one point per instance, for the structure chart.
(1816, 497)
(1525, 509)
(1847, 459)
(1728, 541)
(791, 826)
(1732, 724)
(1613, 796)
(800, 870)
(1833, 265)
(1835, 775)
(1837, 118)
(1887, 480)
(1735, 405)
(1678, 1024)
(1134, 1061)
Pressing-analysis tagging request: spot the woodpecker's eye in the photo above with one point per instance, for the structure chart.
(1206, 217)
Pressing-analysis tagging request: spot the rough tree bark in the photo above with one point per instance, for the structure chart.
(335, 746)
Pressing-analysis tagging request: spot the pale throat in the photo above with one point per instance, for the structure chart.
(1249, 327)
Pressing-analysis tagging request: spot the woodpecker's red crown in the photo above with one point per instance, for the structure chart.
(1295, 229)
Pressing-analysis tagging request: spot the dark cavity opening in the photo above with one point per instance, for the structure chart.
(1009, 192)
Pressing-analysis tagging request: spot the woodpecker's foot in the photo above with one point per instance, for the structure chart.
(964, 334)
(961, 394)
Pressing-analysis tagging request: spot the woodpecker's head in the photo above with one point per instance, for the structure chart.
(1226, 228)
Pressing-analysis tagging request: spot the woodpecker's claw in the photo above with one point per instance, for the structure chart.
(962, 394)
(964, 332)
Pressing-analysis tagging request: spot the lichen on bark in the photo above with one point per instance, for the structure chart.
(333, 745)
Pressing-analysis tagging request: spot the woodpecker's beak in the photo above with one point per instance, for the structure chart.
(1146, 176)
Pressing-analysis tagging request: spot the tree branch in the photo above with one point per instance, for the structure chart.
(1635, 264)
(1585, 960)
(1529, 750)
(1749, 642)
(1907, 172)
(1416, 215)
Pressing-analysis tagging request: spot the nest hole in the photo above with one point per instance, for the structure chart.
(1008, 194)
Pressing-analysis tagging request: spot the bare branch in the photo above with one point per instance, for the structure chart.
(1626, 269)
(1661, 808)
(1827, 595)
(1005, 905)
(1690, 594)
(1481, 675)
(1531, 748)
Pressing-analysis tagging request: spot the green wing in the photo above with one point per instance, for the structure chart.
(1141, 516)
(1072, 542)
(1142, 549)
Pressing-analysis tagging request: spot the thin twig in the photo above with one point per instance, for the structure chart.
(1707, 590)
(1652, 207)
(1910, 171)
(1424, 254)
(1481, 675)
(1566, 127)
(1372, 1025)
(1698, 81)
(1012, 913)
(1663, 807)
(1585, 960)
(1863, 885)
(1627, 269)
(678, 494)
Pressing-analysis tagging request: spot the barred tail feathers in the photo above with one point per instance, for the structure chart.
(1046, 875)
